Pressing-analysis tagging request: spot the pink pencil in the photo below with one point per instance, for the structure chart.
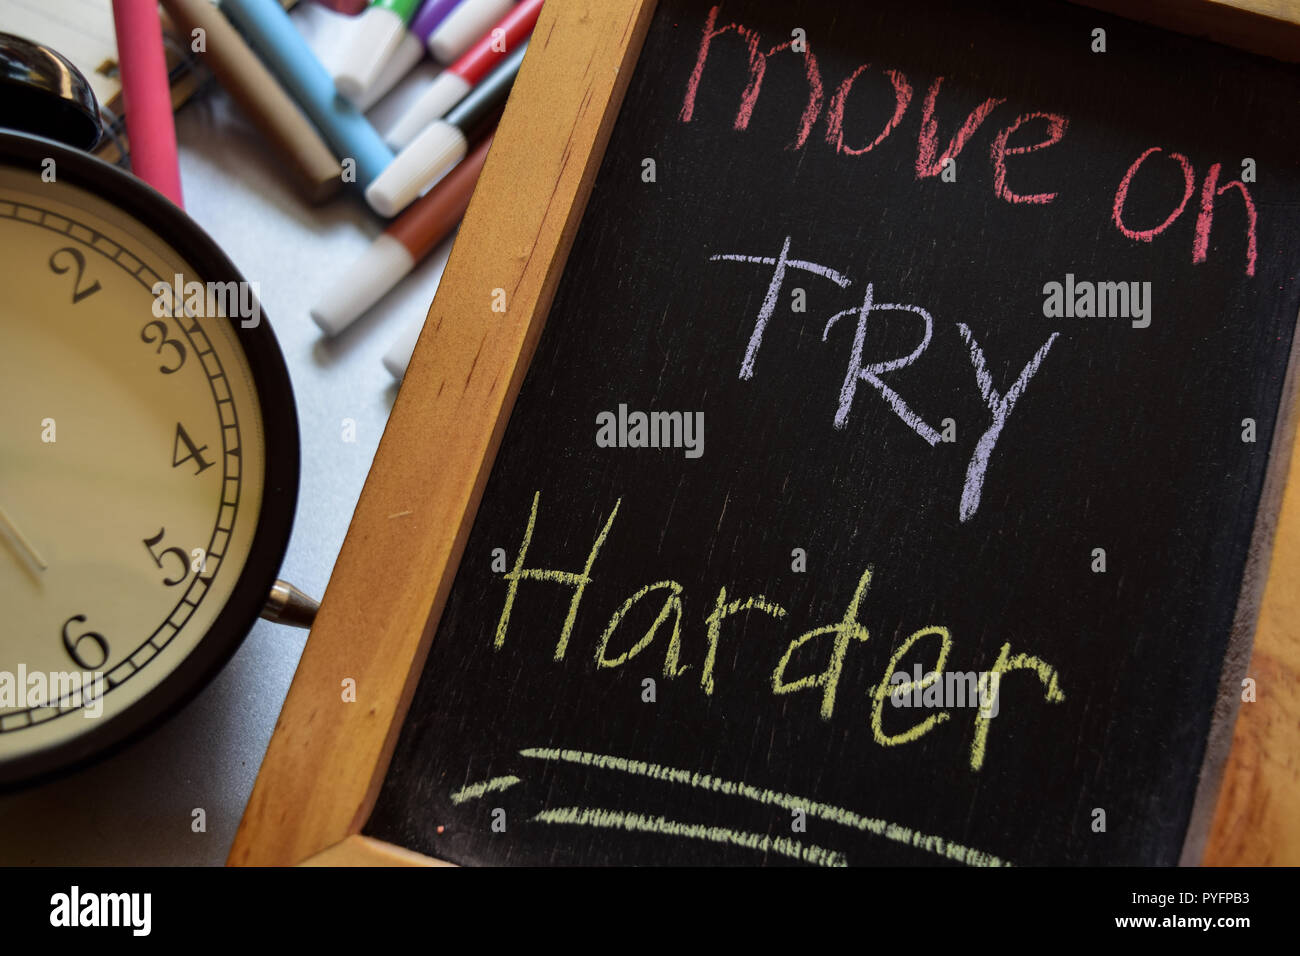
(147, 96)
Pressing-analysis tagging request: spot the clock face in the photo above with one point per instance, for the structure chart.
(133, 461)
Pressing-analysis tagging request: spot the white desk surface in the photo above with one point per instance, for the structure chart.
(136, 807)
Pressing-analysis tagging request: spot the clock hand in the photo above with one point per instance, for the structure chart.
(17, 536)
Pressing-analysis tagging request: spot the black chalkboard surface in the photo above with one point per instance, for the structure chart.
(1008, 415)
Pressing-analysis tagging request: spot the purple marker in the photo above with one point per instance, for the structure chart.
(430, 17)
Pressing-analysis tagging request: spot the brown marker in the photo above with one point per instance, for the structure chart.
(253, 87)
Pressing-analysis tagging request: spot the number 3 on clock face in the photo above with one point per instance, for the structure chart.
(133, 464)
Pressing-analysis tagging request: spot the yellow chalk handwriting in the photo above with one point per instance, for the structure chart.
(885, 689)
(721, 611)
(672, 604)
(829, 679)
(577, 581)
(1005, 663)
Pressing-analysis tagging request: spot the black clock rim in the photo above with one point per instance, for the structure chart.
(280, 484)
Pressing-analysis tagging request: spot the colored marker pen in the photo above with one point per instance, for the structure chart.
(463, 26)
(260, 95)
(398, 356)
(349, 7)
(444, 142)
(408, 239)
(378, 31)
(409, 52)
(277, 41)
(147, 96)
(458, 79)
(430, 17)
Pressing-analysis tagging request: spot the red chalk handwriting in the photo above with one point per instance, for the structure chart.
(835, 114)
(930, 160)
(1121, 196)
(757, 67)
(927, 164)
(1056, 125)
(1209, 192)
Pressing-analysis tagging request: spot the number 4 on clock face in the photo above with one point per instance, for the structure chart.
(195, 453)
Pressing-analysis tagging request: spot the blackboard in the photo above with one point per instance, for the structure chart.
(1102, 557)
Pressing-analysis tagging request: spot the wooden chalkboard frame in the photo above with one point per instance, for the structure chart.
(327, 757)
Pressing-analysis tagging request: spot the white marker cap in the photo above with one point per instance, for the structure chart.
(438, 97)
(428, 158)
(375, 35)
(464, 27)
(399, 356)
(408, 53)
(363, 284)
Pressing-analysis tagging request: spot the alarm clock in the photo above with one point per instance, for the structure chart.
(148, 457)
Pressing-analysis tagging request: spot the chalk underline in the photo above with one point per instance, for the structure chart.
(636, 822)
(614, 819)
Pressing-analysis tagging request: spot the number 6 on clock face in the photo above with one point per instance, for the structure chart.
(131, 443)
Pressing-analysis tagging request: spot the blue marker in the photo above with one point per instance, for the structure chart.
(270, 32)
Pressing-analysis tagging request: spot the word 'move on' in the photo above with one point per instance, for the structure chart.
(1031, 132)
(651, 430)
